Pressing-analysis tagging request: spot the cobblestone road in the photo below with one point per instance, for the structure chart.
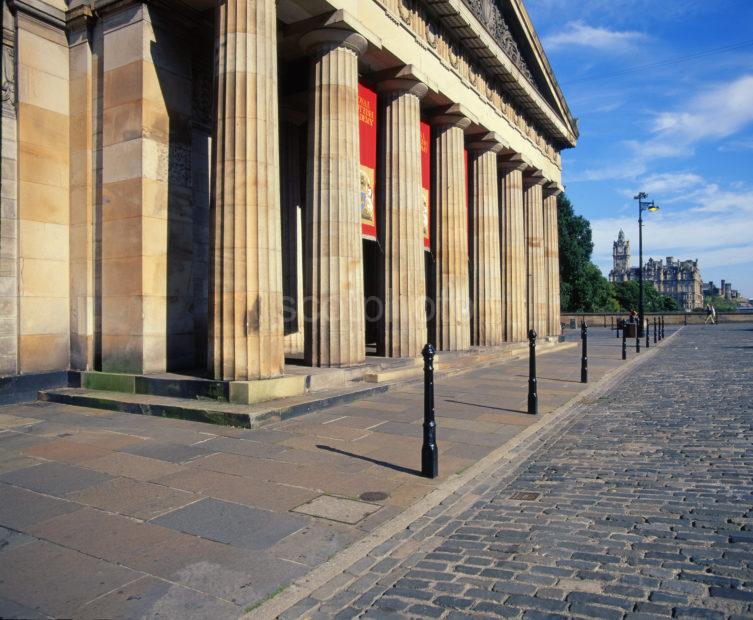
(640, 506)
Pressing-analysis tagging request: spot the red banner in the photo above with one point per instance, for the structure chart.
(367, 125)
(426, 180)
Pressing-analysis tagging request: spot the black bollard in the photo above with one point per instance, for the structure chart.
(655, 324)
(661, 328)
(617, 329)
(637, 339)
(648, 333)
(429, 452)
(685, 319)
(533, 397)
(584, 353)
(624, 343)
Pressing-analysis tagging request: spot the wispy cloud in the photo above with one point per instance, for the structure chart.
(579, 34)
(718, 113)
(715, 226)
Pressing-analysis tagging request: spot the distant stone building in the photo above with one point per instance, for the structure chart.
(724, 290)
(680, 280)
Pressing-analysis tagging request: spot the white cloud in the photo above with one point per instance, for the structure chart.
(578, 33)
(716, 227)
(718, 113)
(670, 182)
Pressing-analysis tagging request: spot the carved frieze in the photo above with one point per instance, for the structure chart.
(489, 13)
(8, 77)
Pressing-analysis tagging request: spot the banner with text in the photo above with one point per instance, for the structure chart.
(426, 181)
(367, 126)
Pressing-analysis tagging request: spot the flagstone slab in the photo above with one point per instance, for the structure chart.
(20, 509)
(56, 479)
(150, 597)
(232, 524)
(338, 509)
(57, 581)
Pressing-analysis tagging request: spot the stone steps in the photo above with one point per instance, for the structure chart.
(208, 410)
(198, 399)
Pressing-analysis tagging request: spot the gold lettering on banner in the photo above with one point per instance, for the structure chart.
(365, 112)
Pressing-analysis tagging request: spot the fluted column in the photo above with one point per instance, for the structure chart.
(534, 226)
(246, 326)
(292, 228)
(551, 255)
(334, 304)
(486, 287)
(402, 233)
(513, 252)
(450, 232)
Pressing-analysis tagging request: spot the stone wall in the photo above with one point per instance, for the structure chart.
(43, 198)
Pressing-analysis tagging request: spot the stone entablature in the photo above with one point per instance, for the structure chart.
(503, 91)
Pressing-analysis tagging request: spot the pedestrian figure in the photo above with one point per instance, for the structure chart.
(633, 316)
(713, 315)
(709, 316)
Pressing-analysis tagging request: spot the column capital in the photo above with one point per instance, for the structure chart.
(407, 79)
(453, 115)
(509, 163)
(533, 177)
(326, 39)
(551, 188)
(486, 142)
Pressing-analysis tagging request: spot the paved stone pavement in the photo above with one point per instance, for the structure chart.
(638, 505)
(106, 514)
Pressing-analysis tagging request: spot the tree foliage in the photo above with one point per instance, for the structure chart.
(583, 288)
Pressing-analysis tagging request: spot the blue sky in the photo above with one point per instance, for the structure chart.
(653, 119)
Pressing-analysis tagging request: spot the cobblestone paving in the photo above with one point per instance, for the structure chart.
(644, 508)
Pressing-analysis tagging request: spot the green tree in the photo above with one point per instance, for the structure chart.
(583, 288)
(721, 304)
(627, 294)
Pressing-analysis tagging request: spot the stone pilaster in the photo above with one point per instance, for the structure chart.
(291, 200)
(486, 288)
(513, 252)
(83, 214)
(9, 201)
(450, 232)
(402, 232)
(246, 319)
(534, 227)
(334, 303)
(551, 257)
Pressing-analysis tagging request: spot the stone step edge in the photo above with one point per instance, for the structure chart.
(247, 416)
(208, 411)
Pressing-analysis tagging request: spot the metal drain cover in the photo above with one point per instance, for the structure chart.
(525, 496)
(339, 509)
(373, 496)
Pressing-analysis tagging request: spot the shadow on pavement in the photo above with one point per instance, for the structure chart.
(400, 468)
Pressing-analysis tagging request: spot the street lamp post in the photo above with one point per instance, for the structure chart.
(643, 205)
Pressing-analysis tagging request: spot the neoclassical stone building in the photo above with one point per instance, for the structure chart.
(216, 185)
(680, 280)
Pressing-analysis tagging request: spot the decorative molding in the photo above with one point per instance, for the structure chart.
(8, 76)
(489, 13)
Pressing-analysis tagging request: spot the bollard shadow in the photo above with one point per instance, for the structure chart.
(400, 468)
(461, 402)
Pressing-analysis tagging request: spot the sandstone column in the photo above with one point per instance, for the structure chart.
(534, 225)
(551, 254)
(513, 252)
(292, 228)
(246, 323)
(402, 232)
(486, 289)
(450, 231)
(334, 304)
